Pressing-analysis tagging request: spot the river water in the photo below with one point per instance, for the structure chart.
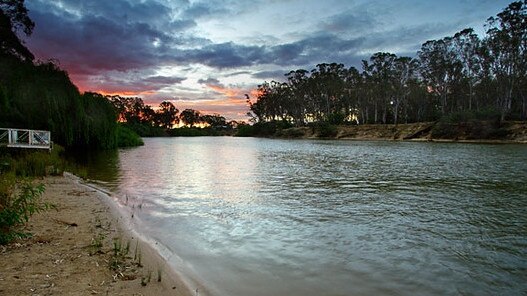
(247, 216)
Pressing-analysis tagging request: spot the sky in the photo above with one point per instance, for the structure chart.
(206, 55)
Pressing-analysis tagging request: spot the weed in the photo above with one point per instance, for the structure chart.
(159, 273)
(97, 244)
(19, 200)
(120, 252)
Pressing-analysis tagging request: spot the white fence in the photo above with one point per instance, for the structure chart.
(24, 138)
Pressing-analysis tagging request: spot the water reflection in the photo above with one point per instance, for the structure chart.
(272, 217)
(102, 166)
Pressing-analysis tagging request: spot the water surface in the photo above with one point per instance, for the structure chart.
(285, 217)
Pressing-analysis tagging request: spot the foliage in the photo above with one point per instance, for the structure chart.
(14, 17)
(191, 132)
(41, 96)
(325, 130)
(484, 124)
(126, 137)
(18, 202)
(245, 130)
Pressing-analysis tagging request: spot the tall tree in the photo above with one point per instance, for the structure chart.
(190, 117)
(506, 42)
(440, 69)
(468, 48)
(167, 114)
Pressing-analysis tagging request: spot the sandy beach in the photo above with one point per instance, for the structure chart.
(81, 248)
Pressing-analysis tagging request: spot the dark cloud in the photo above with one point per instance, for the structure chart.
(209, 81)
(353, 21)
(115, 83)
(92, 43)
(237, 73)
(273, 75)
(164, 80)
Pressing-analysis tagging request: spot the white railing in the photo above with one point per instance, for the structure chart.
(24, 138)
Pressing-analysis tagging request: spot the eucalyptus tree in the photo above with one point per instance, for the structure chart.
(190, 117)
(440, 69)
(403, 71)
(214, 120)
(298, 95)
(327, 82)
(351, 101)
(506, 42)
(468, 48)
(381, 73)
(167, 114)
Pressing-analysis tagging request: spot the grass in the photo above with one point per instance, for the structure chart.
(119, 254)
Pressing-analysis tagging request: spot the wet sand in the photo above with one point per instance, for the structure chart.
(82, 248)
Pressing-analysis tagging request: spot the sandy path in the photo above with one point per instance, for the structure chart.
(72, 251)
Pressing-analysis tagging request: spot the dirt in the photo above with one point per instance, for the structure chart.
(79, 249)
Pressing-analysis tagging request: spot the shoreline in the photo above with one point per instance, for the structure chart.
(85, 246)
(511, 132)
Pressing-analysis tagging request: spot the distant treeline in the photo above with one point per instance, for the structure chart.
(146, 121)
(462, 74)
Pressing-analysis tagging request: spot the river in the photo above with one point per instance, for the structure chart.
(249, 216)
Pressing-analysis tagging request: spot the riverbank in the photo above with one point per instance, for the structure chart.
(81, 248)
(475, 132)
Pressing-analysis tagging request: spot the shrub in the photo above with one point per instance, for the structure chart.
(245, 130)
(18, 202)
(127, 137)
(325, 130)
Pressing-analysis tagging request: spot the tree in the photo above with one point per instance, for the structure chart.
(190, 117)
(403, 72)
(468, 48)
(167, 114)
(13, 18)
(506, 43)
(440, 69)
(17, 13)
(214, 120)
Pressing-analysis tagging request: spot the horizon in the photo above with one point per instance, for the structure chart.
(207, 55)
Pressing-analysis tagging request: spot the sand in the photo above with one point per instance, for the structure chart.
(73, 251)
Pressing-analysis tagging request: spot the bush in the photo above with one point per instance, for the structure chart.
(127, 137)
(294, 132)
(325, 130)
(18, 202)
(245, 130)
(336, 118)
(191, 132)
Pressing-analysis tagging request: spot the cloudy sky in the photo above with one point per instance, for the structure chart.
(207, 54)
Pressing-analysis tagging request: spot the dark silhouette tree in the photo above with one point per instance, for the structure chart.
(190, 117)
(167, 114)
(14, 18)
